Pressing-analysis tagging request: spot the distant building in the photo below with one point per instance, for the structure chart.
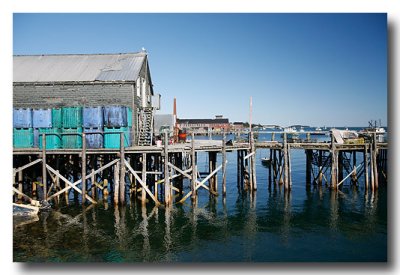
(237, 126)
(218, 124)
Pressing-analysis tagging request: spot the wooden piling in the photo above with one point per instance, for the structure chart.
(122, 170)
(20, 187)
(194, 170)
(105, 189)
(224, 166)
(340, 166)
(44, 169)
(308, 166)
(253, 163)
(238, 170)
(167, 184)
(144, 177)
(371, 168)
(320, 167)
(354, 172)
(375, 155)
(285, 162)
(290, 167)
(210, 169)
(116, 183)
(93, 186)
(366, 178)
(83, 156)
(333, 163)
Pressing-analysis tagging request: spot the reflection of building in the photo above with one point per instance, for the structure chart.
(218, 124)
(237, 126)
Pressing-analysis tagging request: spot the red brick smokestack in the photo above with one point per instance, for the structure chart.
(175, 107)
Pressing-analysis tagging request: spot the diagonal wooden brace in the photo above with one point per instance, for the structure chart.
(26, 166)
(141, 182)
(202, 184)
(87, 177)
(73, 185)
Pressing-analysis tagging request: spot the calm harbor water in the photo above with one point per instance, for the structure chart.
(307, 224)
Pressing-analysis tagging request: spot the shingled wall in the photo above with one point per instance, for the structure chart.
(51, 96)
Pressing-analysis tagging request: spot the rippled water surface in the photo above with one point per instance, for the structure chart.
(307, 224)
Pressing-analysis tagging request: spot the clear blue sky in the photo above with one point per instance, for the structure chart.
(315, 69)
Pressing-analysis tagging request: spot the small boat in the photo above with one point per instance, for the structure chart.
(301, 129)
(266, 161)
(318, 129)
(291, 133)
(24, 210)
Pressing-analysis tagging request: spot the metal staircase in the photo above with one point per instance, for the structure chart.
(145, 137)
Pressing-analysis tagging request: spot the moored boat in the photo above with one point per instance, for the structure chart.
(24, 210)
(266, 161)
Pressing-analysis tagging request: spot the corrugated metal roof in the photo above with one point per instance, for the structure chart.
(78, 67)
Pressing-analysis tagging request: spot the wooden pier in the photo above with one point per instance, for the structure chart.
(151, 174)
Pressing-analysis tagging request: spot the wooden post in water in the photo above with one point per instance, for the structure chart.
(57, 184)
(144, 177)
(308, 166)
(280, 167)
(123, 169)
(253, 163)
(216, 175)
(224, 166)
(354, 173)
(194, 170)
(179, 163)
(320, 167)
(285, 160)
(273, 136)
(238, 170)
(333, 163)
(105, 189)
(44, 169)
(290, 167)
(366, 178)
(83, 172)
(210, 169)
(116, 183)
(167, 184)
(375, 154)
(93, 187)
(340, 166)
(20, 189)
(371, 168)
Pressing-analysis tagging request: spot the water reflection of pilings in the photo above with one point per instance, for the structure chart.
(120, 226)
(287, 214)
(370, 206)
(143, 227)
(334, 211)
(167, 237)
(251, 227)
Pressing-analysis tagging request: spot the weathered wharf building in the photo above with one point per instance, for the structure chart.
(87, 80)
